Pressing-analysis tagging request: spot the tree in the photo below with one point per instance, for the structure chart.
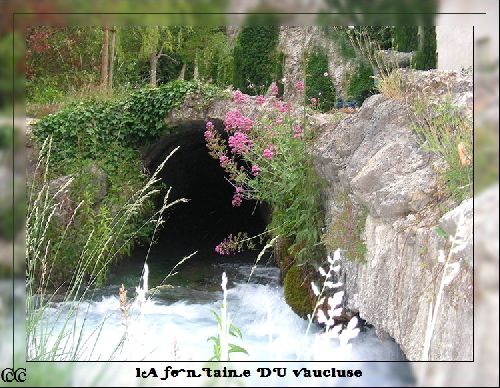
(155, 41)
(255, 58)
(105, 57)
(405, 38)
(112, 57)
(427, 56)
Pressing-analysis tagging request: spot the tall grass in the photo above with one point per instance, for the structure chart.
(445, 130)
(60, 335)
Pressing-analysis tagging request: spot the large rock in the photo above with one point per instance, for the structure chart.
(378, 157)
(484, 370)
(414, 289)
(416, 282)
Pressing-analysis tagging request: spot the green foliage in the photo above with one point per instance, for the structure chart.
(405, 38)
(346, 229)
(88, 128)
(446, 131)
(361, 84)
(297, 292)
(290, 185)
(105, 186)
(11, 219)
(169, 67)
(426, 57)
(287, 180)
(255, 58)
(234, 331)
(105, 136)
(318, 85)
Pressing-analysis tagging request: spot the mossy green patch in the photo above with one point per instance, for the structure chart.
(297, 294)
(319, 85)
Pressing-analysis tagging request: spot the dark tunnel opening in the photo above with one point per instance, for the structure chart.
(208, 217)
(193, 174)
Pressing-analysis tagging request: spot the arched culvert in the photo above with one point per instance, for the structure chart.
(208, 217)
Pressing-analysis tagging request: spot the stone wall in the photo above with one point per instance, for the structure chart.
(416, 285)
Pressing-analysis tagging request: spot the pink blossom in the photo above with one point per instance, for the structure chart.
(255, 170)
(297, 131)
(274, 89)
(239, 190)
(209, 135)
(210, 125)
(238, 97)
(223, 160)
(284, 108)
(235, 120)
(299, 86)
(314, 101)
(260, 100)
(239, 143)
(236, 202)
(278, 121)
(237, 198)
(223, 248)
(268, 153)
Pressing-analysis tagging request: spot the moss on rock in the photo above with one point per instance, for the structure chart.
(297, 294)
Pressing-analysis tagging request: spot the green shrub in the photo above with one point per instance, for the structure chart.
(255, 58)
(346, 229)
(285, 178)
(446, 131)
(405, 38)
(296, 291)
(319, 85)
(106, 135)
(87, 128)
(426, 57)
(98, 215)
(361, 84)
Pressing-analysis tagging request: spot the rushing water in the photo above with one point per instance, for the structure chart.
(175, 323)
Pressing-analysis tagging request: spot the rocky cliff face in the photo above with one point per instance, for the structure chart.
(416, 284)
(295, 42)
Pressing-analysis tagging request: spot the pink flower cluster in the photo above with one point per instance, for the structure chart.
(297, 131)
(223, 160)
(239, 143)
(231, 244)
(237, 197)
(236, 120)
(260, 100)
(274, 89)
(239, 97)
(255, 170)
(314, 101)
(268, 153)
(282, 107)
(226, 246)
(299, 86)
(209, 135)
